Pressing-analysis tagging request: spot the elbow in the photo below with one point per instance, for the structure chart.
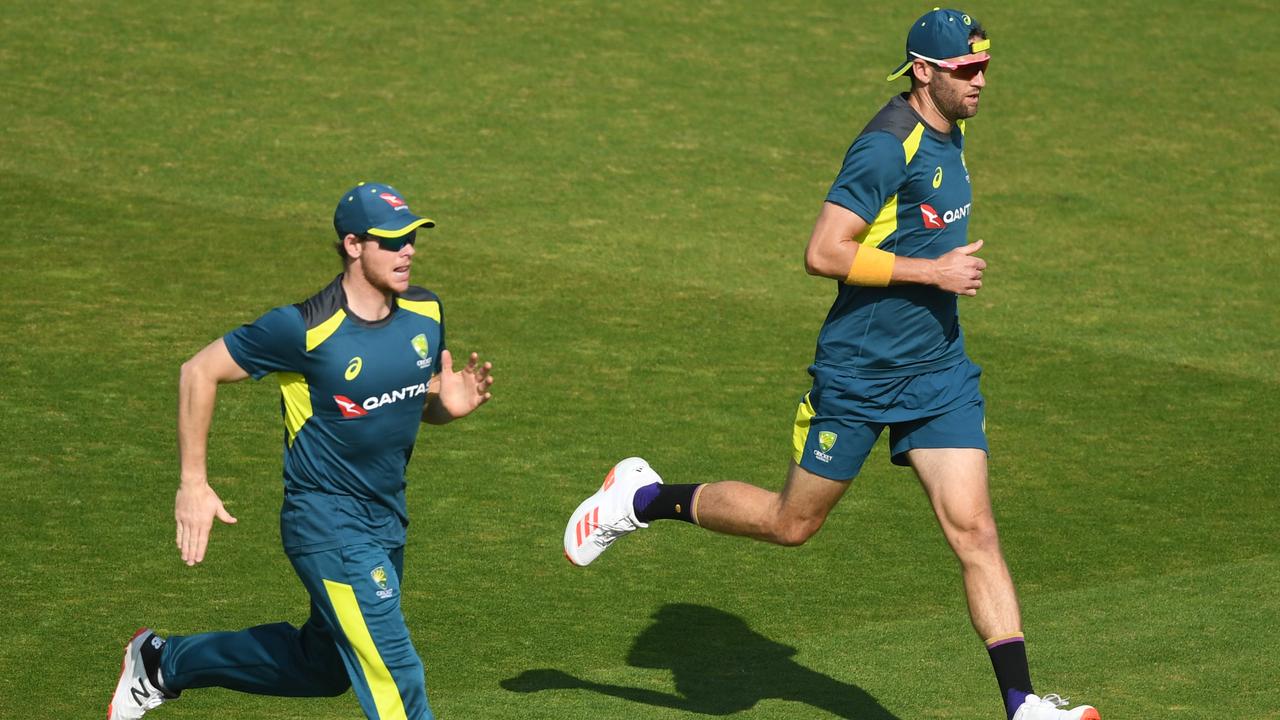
(821, 265)
(813, 263)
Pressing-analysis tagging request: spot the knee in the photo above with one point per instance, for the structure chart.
(338, 682)
(975, 541)
(794, 532)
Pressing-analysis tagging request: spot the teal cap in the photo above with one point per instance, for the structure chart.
(375, 209)
(942, 34)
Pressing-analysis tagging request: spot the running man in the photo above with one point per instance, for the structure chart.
(894, 232)
(361, 365)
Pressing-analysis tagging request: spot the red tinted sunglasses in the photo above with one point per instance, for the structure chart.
(965, 72)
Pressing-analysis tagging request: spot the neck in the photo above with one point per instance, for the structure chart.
(366, 301)
(920, 100)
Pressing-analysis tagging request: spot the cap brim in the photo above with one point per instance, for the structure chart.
(902, 70)
(395, 232)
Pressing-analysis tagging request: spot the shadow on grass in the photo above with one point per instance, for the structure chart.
(720, 666)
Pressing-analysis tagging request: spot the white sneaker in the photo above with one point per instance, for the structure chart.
(135, 693)
(1047, 708)
(609, 514)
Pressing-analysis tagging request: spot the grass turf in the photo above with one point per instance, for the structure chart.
(623, 192)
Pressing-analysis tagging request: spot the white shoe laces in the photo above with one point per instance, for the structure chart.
(604, 535)
(1055, 700)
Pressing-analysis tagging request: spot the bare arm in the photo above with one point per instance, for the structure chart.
(832, 248)
(196, 504)
(451, 395)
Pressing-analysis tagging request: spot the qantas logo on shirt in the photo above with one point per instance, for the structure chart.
(939, 221)
(931, 217)
(350, 408)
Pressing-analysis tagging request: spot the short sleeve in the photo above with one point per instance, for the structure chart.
(441, 345)
(874, 169)
(275, 342)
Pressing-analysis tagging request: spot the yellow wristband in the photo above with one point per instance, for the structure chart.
(872, 267)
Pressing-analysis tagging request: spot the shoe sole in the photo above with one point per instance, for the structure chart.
(124, 665)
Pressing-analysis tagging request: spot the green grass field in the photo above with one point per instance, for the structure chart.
(623, 192)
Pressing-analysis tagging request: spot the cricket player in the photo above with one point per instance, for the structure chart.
(894, 232)
(361, 364)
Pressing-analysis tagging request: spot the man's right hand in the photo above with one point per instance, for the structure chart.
(194, 509)
(960, 271)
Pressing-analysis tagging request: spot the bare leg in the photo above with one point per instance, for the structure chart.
(955, 480)
(786, 518)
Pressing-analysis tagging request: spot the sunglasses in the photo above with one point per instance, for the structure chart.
(395, 244)
(965, 72)
(968, 71)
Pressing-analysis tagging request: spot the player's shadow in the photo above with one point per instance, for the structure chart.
(720, 666)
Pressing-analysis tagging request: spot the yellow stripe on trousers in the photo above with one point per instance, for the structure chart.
(800, 433)
(386, 696)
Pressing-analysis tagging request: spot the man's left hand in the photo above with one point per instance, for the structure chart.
(463, 391)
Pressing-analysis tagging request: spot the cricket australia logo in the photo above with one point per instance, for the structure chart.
(826, 441)
(421, 347)
(379, 575)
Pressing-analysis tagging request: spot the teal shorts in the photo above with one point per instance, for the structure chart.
(841, 417)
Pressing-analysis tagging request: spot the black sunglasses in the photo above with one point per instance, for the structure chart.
(394, 244)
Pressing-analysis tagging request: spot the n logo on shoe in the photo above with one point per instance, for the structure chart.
(931, 217)
(139, 694)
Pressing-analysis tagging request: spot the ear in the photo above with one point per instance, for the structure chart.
(353, 246)
(922, 71)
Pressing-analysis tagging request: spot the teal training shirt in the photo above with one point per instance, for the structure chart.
(352, 394)
(909, 182)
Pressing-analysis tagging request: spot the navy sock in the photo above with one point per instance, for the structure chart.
(664, 502)
(1009, 660)
(150, 652)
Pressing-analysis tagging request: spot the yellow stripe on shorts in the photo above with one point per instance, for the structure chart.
(804, 414)
(386, 696)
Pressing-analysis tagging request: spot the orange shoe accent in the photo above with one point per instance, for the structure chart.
(1091, 714)
(608, 479)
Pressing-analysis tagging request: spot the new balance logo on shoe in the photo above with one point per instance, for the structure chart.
(140, 694)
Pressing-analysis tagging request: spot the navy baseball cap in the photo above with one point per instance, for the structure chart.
(375, 209)
(942, 38)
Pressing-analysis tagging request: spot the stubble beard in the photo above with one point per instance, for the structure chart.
(951, 103)
(379, 282)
